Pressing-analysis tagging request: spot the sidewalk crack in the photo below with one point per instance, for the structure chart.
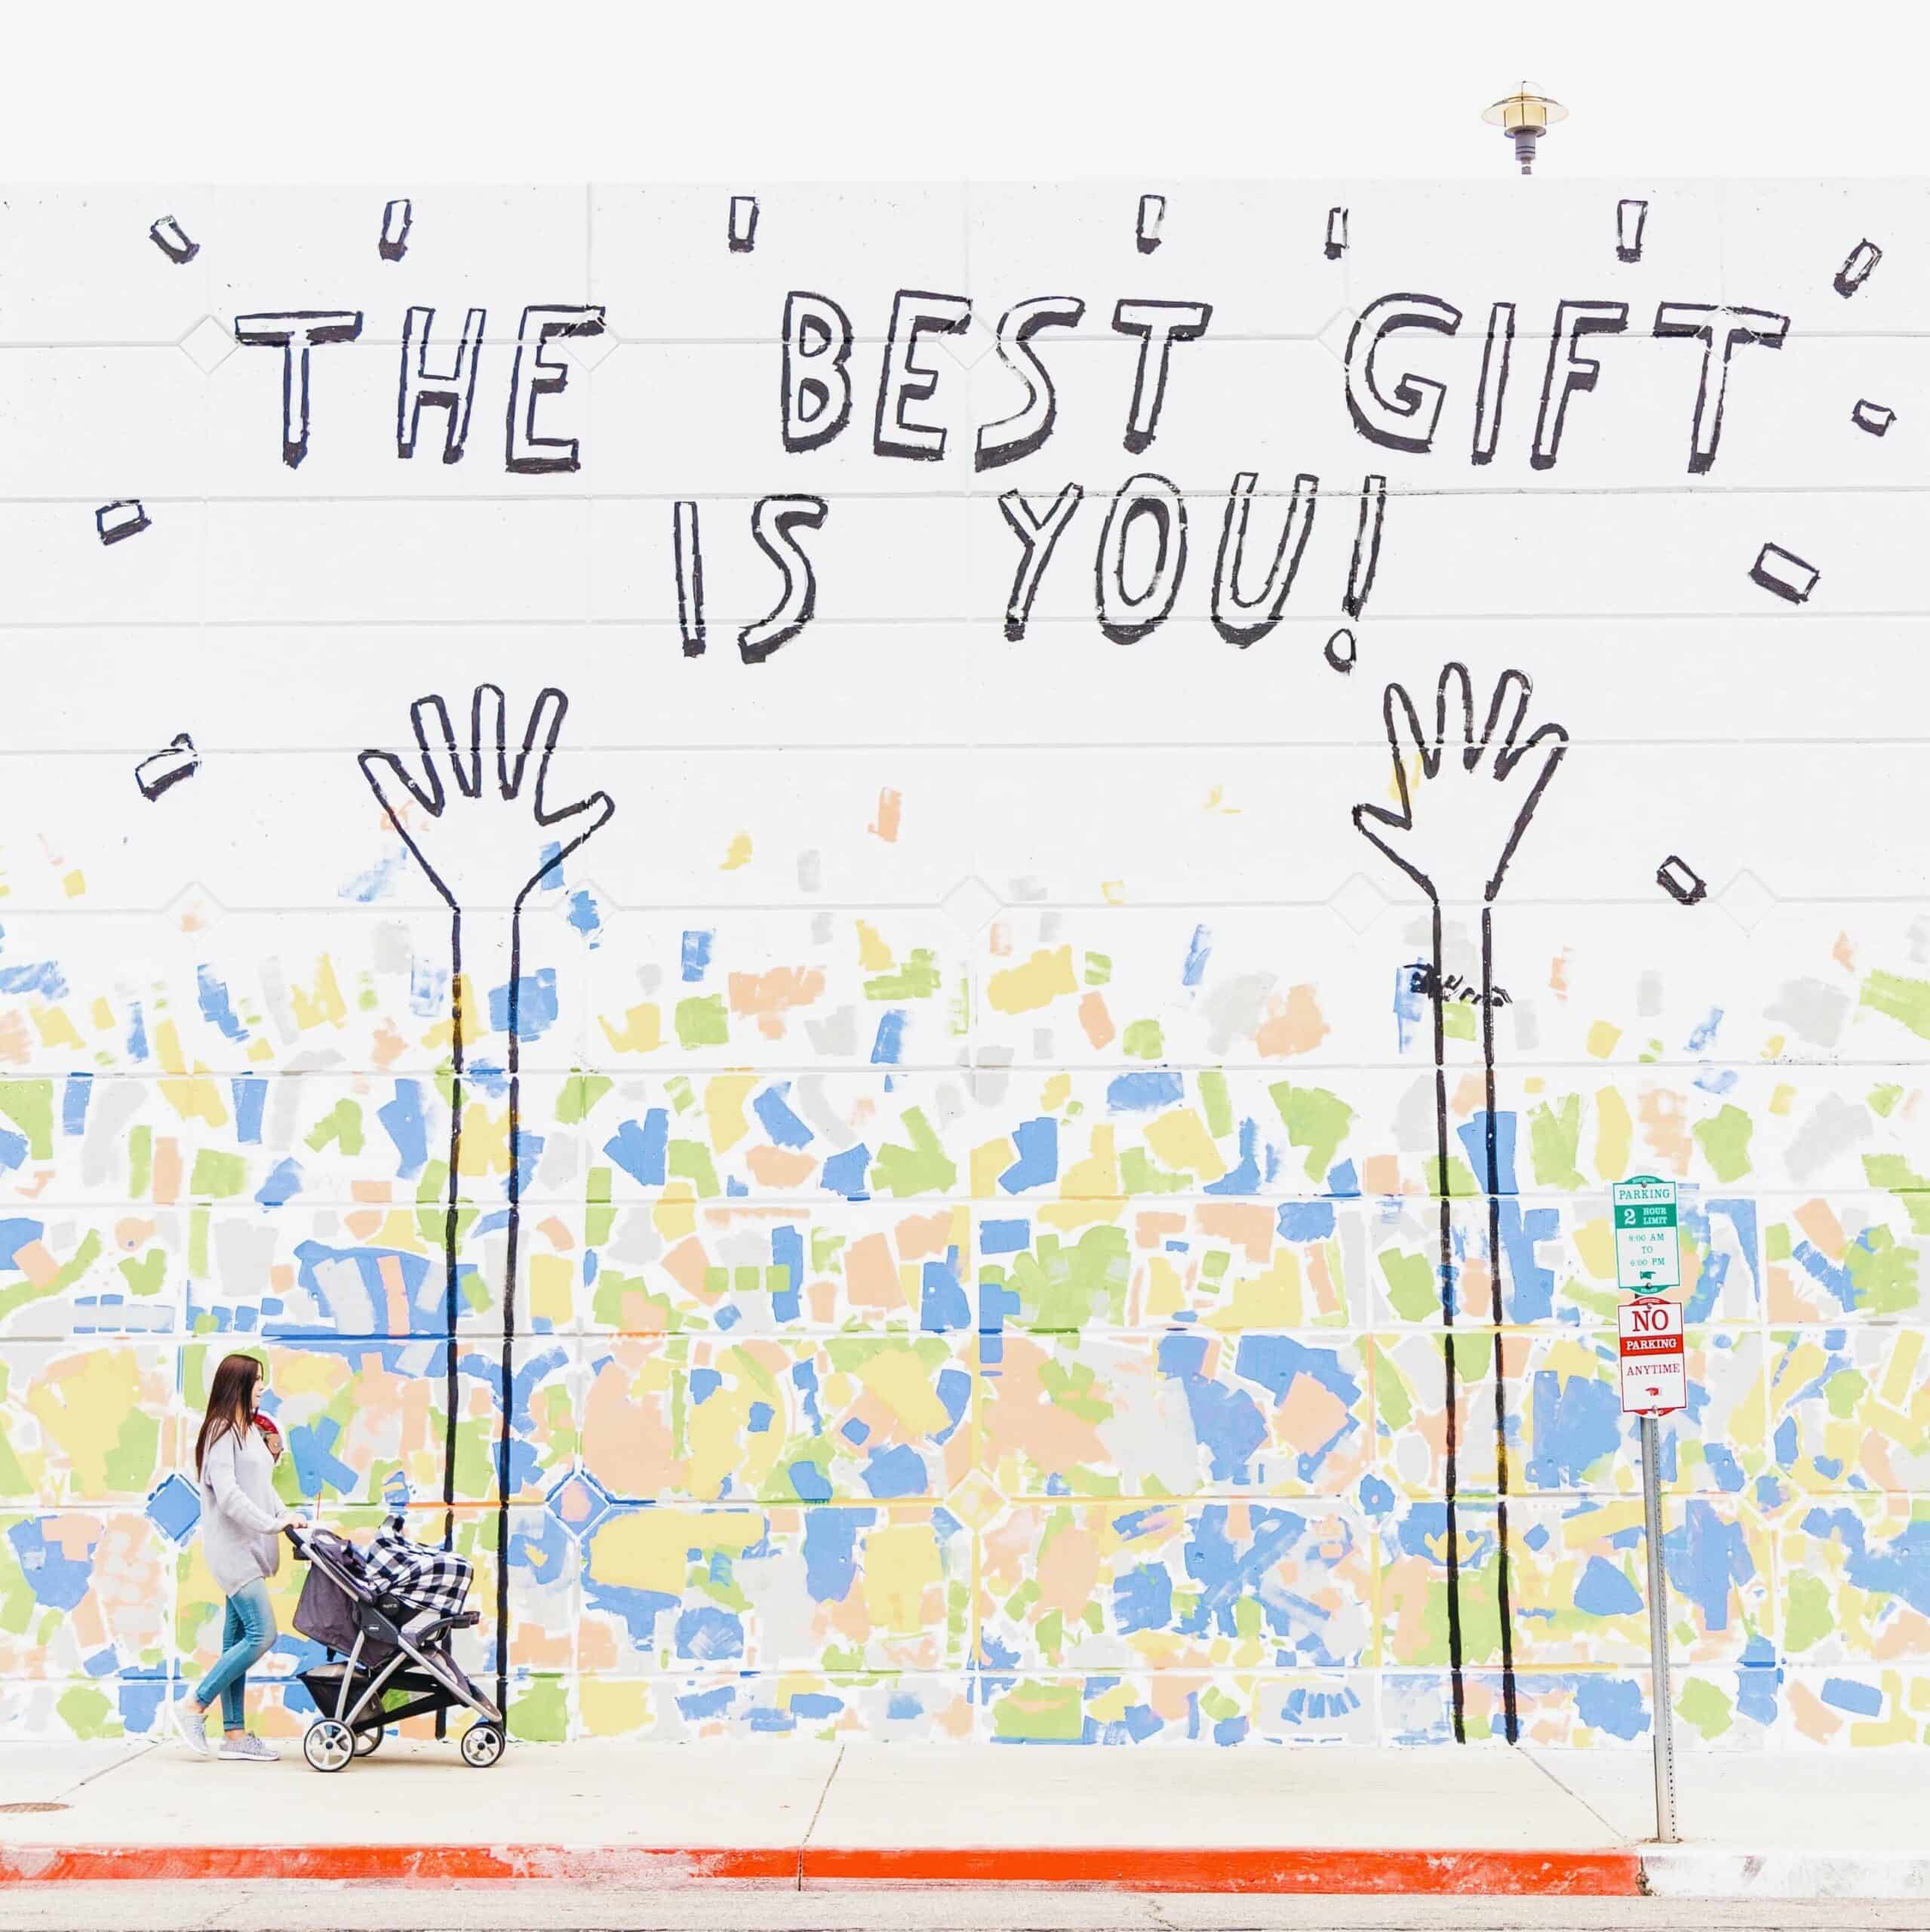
(126, 1757)
(1614, 1830)
(817, 1812)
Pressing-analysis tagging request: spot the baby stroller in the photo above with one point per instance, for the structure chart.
(386, 1619)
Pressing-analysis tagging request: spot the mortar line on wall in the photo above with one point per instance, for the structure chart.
(961, 620)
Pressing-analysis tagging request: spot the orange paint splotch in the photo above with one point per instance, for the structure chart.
(389, 1045)
(1154, 1228)
(1843, 953)
(1814, 1717)
(1068, 1571)
(919, 1236)
(1470, 1097)
(370, 1190)
(395, 1291)
(16, 1047)
(33, 1261)
(167, 1181)
(767, 997)
(1818, 1221)
(1558, 974)
(1294, 1025)
(1095, 1021)
(890, 811)
(556, 1231)
(780, 1167)
(1247, 1225)
(132, 1232)
(1380, 1173)
(686, 1264)
(1665, 1127)
(870, 1274)
(1309, 1413)
(1024, 1420)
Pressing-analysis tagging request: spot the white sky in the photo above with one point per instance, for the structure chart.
(394, 90)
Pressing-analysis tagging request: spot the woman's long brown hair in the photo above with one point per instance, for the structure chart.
(230, 1404)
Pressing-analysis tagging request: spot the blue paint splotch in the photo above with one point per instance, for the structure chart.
(1199, 950)
(1037, 1143)
(216, 1007)
(773, 1109)
(586, 917)
(888, 1046)
(1577, 1425)
(1144, 1093)
(535, 1004)
(641, 1152)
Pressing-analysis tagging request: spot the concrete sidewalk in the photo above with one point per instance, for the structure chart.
(795, 1814)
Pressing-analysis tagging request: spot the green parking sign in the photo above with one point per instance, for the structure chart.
(1647, 1243)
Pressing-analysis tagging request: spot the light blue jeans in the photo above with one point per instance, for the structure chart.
(248, 1634)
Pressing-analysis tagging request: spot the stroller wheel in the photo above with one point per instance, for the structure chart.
(367, 1743)
(328, 1744)
(482, 1746)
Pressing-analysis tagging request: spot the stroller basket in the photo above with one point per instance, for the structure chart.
(388, 1618)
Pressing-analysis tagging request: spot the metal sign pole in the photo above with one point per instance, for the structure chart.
(1658, 1635)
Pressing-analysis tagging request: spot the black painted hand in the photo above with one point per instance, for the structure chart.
(1461, 819)
(479, 825)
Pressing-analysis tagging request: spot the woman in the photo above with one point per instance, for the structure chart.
(241, 1522)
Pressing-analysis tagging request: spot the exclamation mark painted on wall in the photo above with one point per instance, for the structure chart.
(1366, 544)
(1630, 218)
(689, 578)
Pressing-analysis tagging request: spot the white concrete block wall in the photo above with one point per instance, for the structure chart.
(978, 1258)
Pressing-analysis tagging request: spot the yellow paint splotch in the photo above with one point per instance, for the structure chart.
(1042, 979)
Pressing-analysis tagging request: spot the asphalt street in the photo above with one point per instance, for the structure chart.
(534, 1907)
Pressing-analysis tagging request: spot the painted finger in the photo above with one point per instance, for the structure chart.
(1454, 715)
(575, 822)
(437, 736)
(392, 782)
(1511, 754)
(1550, 742)
(488, 736)
(1506, 715)
(546, 717)
(1405, 739)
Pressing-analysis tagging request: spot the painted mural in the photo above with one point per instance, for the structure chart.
(923, 989)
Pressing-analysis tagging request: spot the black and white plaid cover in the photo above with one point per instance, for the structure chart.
(428, 1579)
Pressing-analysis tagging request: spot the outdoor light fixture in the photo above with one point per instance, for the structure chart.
(1525, 116)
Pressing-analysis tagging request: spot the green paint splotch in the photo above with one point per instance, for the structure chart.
(1724, 1142)
(923, 1167)
(1039, 1713)
(1316, 1120)
(1554, 1142)
(1907, 1001)
(29, 1104)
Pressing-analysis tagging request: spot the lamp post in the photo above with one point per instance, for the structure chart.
(1525, 116)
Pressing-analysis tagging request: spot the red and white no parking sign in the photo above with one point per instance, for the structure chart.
(1655, 1379)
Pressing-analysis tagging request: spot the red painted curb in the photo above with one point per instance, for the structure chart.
(162, 1864)
(1091, 1867)
(1219, 1869)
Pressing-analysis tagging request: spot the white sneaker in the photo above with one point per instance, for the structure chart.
(249, 1749)
(192, 1726)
